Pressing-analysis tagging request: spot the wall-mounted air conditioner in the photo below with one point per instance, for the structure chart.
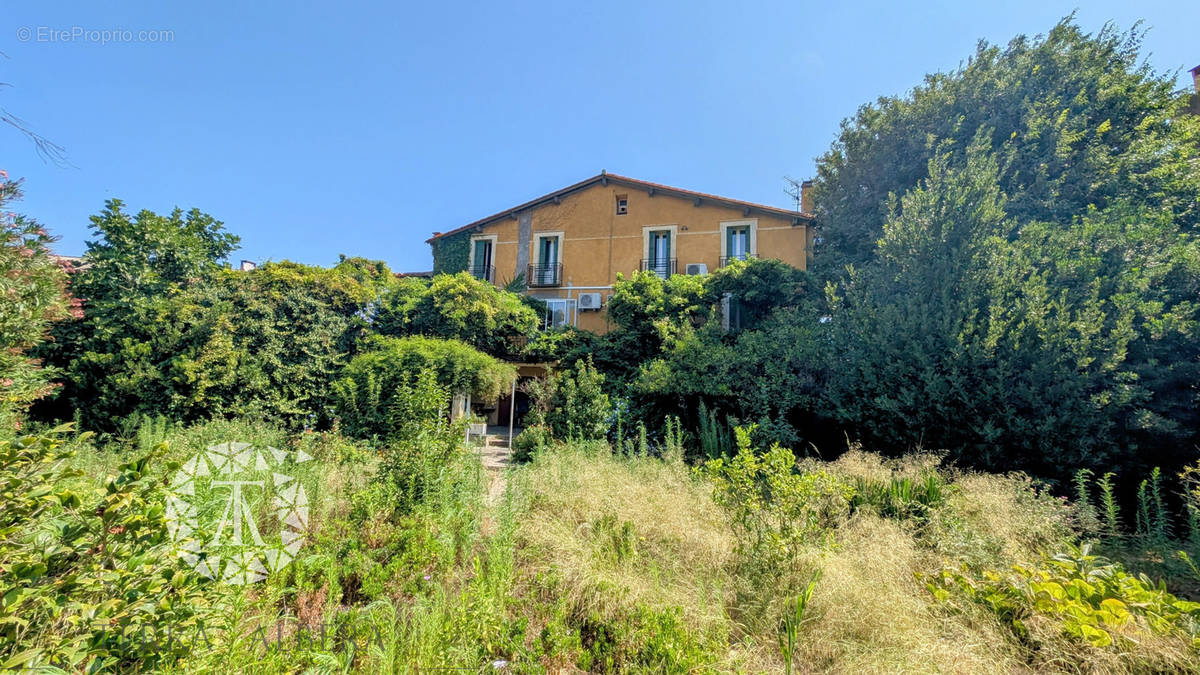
(590, 301)
(695, 269)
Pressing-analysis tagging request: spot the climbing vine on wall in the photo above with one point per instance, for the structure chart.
(451, 254)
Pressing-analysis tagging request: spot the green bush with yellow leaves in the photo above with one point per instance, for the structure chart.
(1083, 597)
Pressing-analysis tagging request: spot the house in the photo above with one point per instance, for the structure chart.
(1194, 101)
(568, 246)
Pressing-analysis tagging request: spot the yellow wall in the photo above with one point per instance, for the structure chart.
(598, 244)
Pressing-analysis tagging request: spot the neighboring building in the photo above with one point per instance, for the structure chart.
(71, 263)
(1195, 100)
(568, 246)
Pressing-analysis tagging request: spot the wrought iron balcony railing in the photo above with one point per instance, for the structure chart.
(484, 272)
(542, 276)
(663, 267)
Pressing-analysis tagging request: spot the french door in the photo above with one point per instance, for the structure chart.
(659, 256)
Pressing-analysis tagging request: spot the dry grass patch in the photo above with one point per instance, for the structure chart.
(623, 532)
(871, 615)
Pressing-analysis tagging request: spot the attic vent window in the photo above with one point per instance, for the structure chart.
(622, 204)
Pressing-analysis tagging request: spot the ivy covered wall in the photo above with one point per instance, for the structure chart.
(451, 254)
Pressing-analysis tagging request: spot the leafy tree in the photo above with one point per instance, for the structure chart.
(168, 331)
(1076, 121)
(1008, 347)
(567, 405)
(649, 312)
(759, 288)
(134, 319)
(458, 306)
(771, 375)
(32, 296)
(669, 352)
(240, 343)
(149, 255)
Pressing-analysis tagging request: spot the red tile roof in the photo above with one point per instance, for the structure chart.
(632, 182)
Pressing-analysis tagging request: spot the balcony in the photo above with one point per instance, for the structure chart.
(663, 267)
(483, 272)
(725, 260)
(544, 276)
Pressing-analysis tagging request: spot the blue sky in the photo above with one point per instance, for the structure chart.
(313, 129)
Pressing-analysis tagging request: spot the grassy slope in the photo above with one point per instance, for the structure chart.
(603, 563)
(870, 612)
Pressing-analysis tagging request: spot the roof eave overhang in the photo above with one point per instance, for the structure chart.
(798, 218)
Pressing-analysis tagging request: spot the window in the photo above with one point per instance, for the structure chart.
(658, 242)
(559, 312)
(738, 244)
(738, 240)
(481, 263)
(622, 204)
(546, 270)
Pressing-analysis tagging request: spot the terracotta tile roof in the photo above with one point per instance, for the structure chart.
(632, 182)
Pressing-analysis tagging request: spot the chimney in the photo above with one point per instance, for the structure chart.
(1196, 78)
(806, 203)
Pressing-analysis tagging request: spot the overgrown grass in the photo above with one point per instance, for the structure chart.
(627, 562)
(631, 556)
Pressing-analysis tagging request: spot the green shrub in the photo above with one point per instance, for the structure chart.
(420, 440)
(88, 581)
(264, 343)
(645, 640)
(569, 405)
(1084, 597)
(774, 508)
(462, 307)
(580, 410)
(532, 438)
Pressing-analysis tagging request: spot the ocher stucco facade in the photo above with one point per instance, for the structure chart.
(594, 242)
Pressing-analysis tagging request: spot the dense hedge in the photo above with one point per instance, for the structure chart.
(365, 393)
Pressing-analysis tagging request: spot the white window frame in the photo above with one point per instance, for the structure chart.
(647, 229)
(570, 307)
(751, 226)
(535, 245)
(471, 256)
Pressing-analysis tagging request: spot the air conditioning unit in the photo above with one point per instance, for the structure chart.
(591, 301)
(694, 269)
